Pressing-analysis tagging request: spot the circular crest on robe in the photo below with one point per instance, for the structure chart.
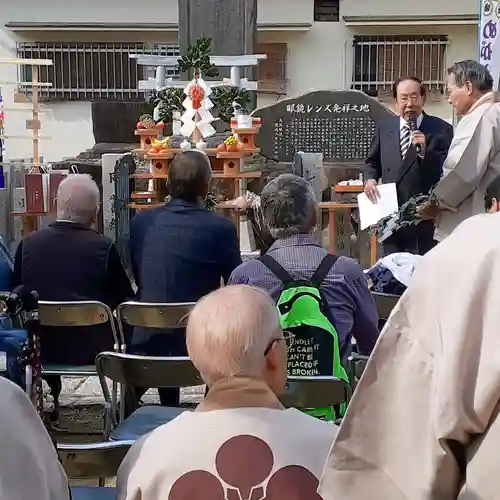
(497, 10)
(488, 8)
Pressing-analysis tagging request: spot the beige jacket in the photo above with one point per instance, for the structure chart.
(29, 467)
(239, 444)
(472, 163)
(423, 423)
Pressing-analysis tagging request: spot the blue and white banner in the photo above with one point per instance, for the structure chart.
(489, 33)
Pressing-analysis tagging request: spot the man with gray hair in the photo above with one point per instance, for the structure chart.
(473, 160)
(69, 261)
(289, 208)
(240, 438)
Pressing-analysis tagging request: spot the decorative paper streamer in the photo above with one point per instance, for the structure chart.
(197, 105)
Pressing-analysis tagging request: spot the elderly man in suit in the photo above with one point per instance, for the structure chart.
(473, 160)
(409, 150)
(180, 252)
(70, 261)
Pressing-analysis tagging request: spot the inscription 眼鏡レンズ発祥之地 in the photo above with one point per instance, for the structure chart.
(327, 108)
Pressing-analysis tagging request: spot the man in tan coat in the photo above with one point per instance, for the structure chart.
(240, 443)
(473, 159)
(423, 423)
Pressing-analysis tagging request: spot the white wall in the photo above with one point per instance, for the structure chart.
(408, 7)
(68, 124)
(285, 11)
(120, 11)
(322, 57)
(145, 11)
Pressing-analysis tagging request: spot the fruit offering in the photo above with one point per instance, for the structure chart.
(160, 146)
(145, 122)
(231, 141)
(231, 145)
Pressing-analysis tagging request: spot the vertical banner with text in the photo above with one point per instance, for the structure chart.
(489, 48)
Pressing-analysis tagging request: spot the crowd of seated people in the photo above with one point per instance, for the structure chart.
(179, 252)
(423, 420)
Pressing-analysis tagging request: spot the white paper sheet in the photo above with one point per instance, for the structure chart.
(370, 213)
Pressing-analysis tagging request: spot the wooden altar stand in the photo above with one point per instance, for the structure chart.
(333, 206)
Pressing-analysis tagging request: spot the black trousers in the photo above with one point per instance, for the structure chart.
(163, 344)
(417, 239)
(55, 384)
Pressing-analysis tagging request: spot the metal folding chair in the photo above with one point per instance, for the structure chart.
(159, 316)
(315, 392)
(151, 315)
(356, 365)
(91, 461)
(78, 314)
(385, 303)
(143, 371)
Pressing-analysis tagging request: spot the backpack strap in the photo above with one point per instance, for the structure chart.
(323, 269)
(276, 268)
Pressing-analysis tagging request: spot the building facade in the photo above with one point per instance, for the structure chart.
(311, 44)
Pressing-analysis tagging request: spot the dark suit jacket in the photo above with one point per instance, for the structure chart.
(180, 252)
(413, 175)
(68, 262)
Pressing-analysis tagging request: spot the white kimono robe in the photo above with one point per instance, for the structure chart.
(239, 444)
(472, 163)
(424, 420)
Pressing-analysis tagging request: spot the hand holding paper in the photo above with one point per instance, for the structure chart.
(371, 213)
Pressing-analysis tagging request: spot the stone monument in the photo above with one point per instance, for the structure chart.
(338, 124)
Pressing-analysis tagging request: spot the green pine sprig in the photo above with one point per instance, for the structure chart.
(224, 97)
(197, 59)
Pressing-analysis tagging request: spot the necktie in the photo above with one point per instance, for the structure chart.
(405, 140)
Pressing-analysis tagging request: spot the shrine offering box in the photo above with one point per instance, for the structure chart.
(55, 178)
(19, 200)
(37, 193)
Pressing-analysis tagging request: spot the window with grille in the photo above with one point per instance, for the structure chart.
(83, 71)
(380, 60)
(326, 11)
(272, 72)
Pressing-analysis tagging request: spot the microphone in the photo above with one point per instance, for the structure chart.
(412, 123)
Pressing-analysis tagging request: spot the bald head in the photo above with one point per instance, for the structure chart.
(78, 199)
(229, 330)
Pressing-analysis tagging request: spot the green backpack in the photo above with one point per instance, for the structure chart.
(303, 312)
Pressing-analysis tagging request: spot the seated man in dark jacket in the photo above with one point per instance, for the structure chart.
(69, 261)
(180, 252)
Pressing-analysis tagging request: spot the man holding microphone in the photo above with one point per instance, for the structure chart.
(409, 150)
